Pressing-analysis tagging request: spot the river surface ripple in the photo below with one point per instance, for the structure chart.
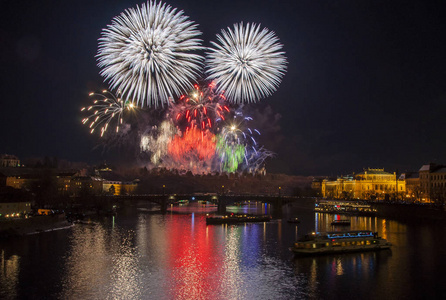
(143, 255)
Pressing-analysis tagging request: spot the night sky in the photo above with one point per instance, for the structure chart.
(365, 85)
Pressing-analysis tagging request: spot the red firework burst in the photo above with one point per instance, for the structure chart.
(194, 145)
(200, 108)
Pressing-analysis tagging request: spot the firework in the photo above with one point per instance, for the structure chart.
(256, 157)
(199, 108)
(157, 141)
(246, 63)
(194, 150)
(231, 155)
(145, 52)
(105, 109)
(236, 140)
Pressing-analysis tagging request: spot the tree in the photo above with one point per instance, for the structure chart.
(112, 190)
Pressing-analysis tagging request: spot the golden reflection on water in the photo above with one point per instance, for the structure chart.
(339, 269)
(9, 275)
(323, 224)
(313, 275)
(384, 229)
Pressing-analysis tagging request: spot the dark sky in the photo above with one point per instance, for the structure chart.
(365, 86)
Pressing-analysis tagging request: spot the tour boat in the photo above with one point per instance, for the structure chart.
(339, 242)
(236, 218)
(340, 223)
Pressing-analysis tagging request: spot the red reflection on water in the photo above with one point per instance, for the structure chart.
(194, 258)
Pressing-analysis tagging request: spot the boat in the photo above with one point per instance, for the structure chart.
(293, 220)
(340, 223)
(236, 218)
(182, 202)
(339, 242)
(344, 207)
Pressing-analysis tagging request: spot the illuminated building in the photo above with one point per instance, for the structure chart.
(17, 178)
(14, 202)
(9, 161)
(115, 184)
(373, 184)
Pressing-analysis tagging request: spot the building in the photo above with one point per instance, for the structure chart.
(14, 202)
(316, 186)
(373, 184)
(18, 178)
(85, 185)
(433, 183)
(413, 190)
(9, 161)
(115, 184)
(67, 182)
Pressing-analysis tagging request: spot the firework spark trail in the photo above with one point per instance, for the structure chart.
(255, 159)
(145, 52)
(236, 142)
(199, 108)
(246, 63)
(104, 110)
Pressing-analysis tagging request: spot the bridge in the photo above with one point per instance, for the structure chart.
(222, 200)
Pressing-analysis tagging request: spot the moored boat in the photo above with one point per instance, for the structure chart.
(339, 242)
(236, 218)
(340, 222)
(293, 220)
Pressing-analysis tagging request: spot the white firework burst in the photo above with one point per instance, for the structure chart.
(146, 53)
(157, 140)
(247, 63)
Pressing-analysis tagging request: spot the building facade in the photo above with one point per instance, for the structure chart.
(9, 161)
(373, 184)
(433, 183)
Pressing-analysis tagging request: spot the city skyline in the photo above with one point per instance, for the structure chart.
(363, 86)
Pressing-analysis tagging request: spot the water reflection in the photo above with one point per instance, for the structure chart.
(9, 275)
(338, 272)
(323, 224)
(100, 261)
(140, 255)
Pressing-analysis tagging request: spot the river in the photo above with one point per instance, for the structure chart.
(139, 254)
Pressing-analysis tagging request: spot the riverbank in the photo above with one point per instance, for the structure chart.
(32, 225)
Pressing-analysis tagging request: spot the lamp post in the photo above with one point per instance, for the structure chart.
(163, 201)
(280, 188)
